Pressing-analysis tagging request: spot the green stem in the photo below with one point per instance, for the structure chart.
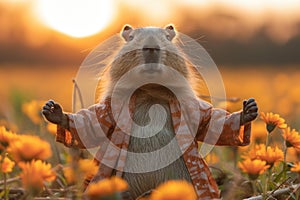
(285, 150)
(235, 154)
(284, 161)
(253, 183)
(5, 186)
(265, 189)
(285, 153)
(267, 140)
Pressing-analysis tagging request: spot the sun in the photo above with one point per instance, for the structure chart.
(79, 18)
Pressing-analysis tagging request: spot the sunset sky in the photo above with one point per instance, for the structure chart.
(233, 31)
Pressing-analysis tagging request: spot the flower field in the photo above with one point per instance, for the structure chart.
(34, 166)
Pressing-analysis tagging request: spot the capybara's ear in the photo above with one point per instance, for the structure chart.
(127, 29)
(171, 31)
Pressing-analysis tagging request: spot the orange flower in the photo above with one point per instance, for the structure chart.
(35, 173)
(252, 154)
(86, 168)
(33, 110)
(6, 137)
(271, 155)
(296, 167)
(89, 167)
(9, 125)
(291, 155)
(273, 120)
(69, 174)
(292, 138)
(211, 158)
(174, 190)
(106, 187)
(29, 147)
(253, 167)
(7, 165)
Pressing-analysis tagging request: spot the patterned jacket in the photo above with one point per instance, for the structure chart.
(103, 127)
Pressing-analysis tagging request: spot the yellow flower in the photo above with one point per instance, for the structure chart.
(29, 147)
(106, 187)
(7, 165)
(273, 120)
(296, 167)
(252, 154)
(35, 173)
(89, 167)
(253, 167)
(86, 168)
(174, 190)
(291, 155)
(69, 174)
(9, 125)
(6, 137)
(292, 138)
(271, 155)
(211, 158)
(33, 110)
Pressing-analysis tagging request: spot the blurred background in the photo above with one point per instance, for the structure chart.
(255, 44)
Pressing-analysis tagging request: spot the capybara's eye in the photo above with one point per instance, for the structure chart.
(130, 38)
(168, 37)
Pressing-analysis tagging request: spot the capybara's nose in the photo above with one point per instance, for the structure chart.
(151, 53)
(151, 48)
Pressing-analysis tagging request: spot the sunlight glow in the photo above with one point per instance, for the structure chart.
(258, 5)
(78, 18)
(248, 5)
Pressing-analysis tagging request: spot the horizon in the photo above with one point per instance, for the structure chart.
(235, 33)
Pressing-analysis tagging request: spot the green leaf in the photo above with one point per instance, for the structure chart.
(280, 175)
(259, 186)
(272, 185)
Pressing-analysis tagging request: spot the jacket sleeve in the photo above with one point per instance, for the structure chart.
(88, 128)
(219, 127)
